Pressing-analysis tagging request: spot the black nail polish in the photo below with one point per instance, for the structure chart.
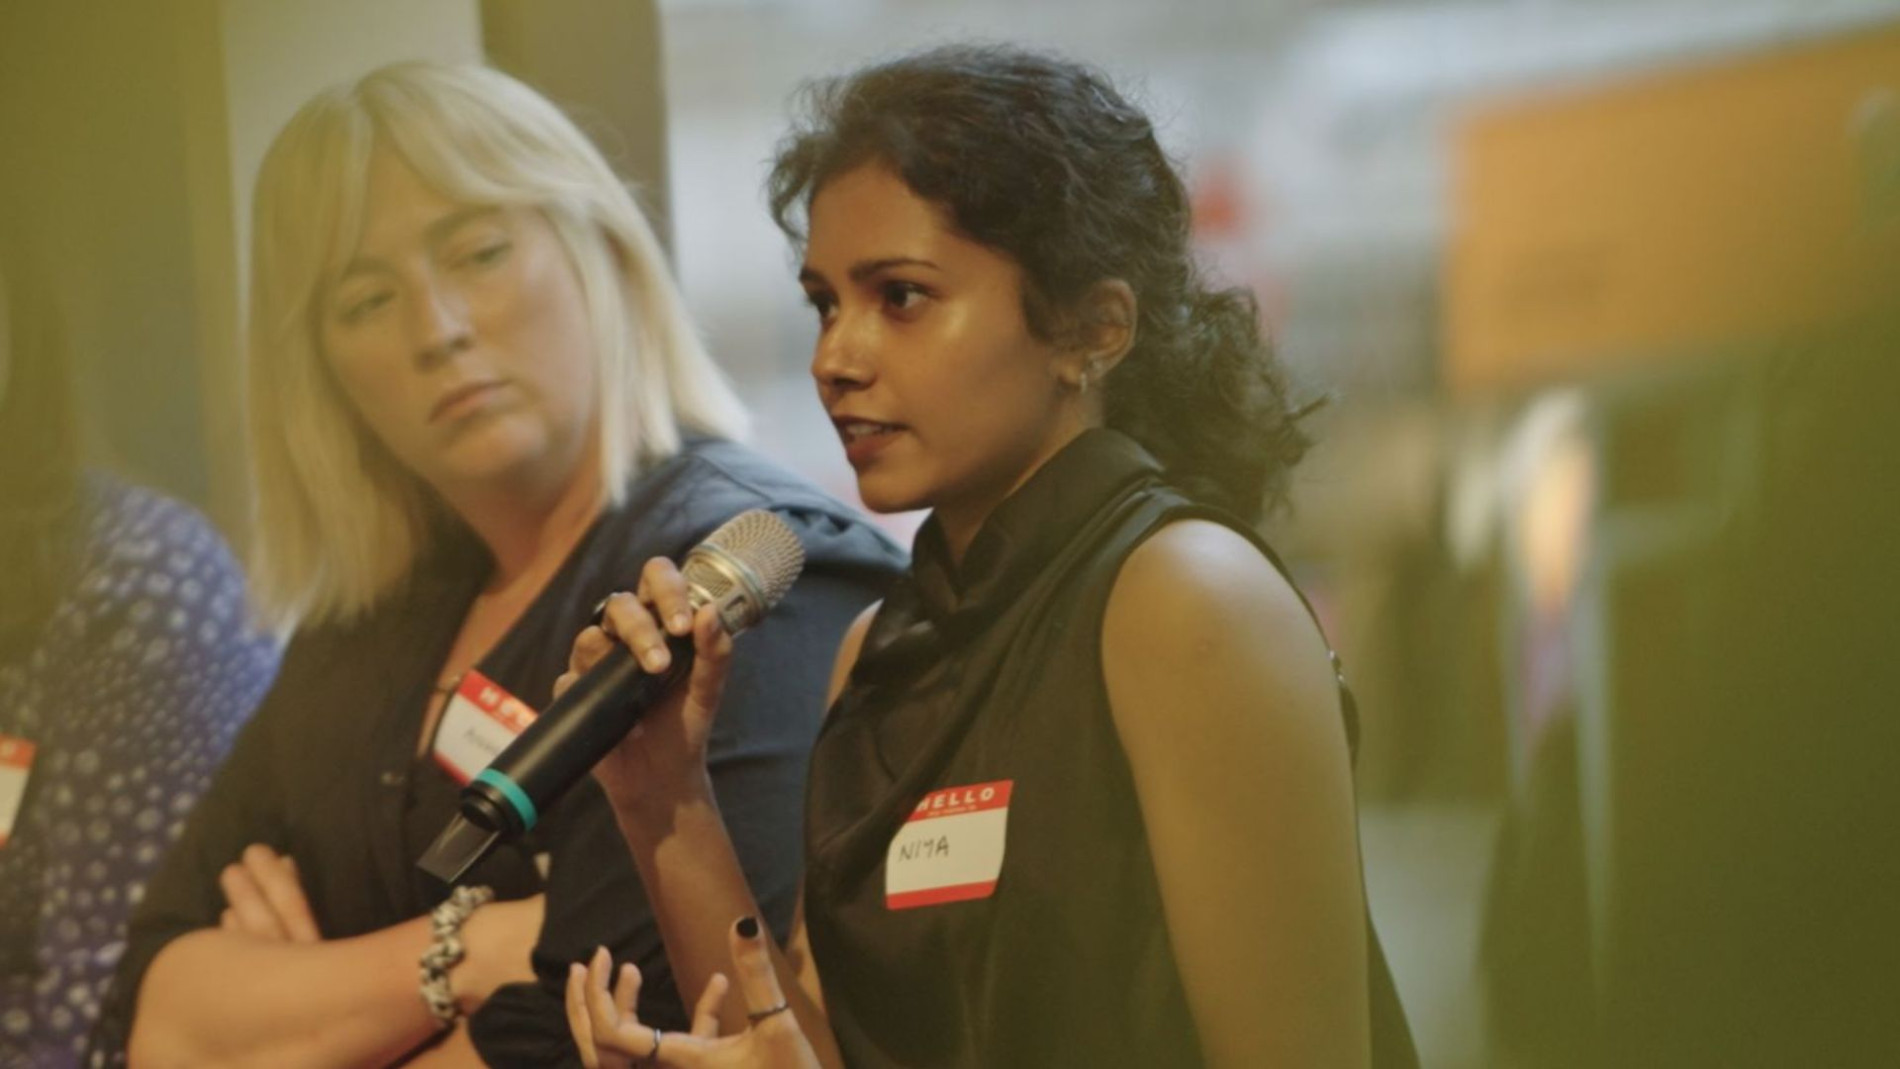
(748, 927)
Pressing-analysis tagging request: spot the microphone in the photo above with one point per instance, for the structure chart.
(742, 569)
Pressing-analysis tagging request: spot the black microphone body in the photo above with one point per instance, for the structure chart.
(741, 570)
(569, 739)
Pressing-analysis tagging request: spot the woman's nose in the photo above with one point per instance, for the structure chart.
(840, 360)
(439, 324)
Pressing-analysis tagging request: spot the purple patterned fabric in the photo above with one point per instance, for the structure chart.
(133, 694)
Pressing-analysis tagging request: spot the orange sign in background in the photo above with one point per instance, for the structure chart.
(1673, 214)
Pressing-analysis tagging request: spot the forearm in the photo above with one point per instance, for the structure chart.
(216, 998)
(697, 889)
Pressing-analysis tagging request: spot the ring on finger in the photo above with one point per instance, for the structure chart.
(599, 617)
(755, 1016)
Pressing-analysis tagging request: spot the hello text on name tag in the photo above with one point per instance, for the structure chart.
(951, 847)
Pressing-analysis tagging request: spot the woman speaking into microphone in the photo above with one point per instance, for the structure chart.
(476, 406)
(1084, 792)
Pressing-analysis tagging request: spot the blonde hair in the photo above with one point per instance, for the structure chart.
(339, 522)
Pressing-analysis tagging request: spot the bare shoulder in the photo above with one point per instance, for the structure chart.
(848, 649)
(1204, 575)
(1198, 611)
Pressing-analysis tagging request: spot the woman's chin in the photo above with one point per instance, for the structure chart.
(881, 497)
(503, 462)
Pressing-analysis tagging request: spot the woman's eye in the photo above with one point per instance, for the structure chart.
(357, 309)
(488, 254)
(903, 296)
(823, 304)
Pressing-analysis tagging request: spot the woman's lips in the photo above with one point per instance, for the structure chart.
(863, 439)
(462, 401)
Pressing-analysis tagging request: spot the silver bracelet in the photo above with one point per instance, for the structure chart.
(446, 951)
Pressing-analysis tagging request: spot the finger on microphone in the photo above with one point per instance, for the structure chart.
(630, 621)
(708, 629)
(589, 647)
(713, 649)
(665, 588)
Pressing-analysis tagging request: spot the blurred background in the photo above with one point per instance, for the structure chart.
(1604, 297)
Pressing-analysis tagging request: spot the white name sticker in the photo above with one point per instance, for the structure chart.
(16, 765)
(951, 847)
(479, 723)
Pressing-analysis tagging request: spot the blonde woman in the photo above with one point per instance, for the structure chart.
(477, 407)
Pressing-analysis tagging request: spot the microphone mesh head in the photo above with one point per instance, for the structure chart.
(746, 566)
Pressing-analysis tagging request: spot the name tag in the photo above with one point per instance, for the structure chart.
(16, 766)
(951, 847)
(479, 722)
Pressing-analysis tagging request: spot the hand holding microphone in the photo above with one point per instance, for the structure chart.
(651, 624)
(727, 584)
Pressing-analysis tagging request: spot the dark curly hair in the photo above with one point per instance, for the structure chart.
(1041, 159)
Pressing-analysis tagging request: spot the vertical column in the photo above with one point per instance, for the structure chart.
(601, 61)
(132, 134)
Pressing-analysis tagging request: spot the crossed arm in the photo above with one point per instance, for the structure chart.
(265, 989)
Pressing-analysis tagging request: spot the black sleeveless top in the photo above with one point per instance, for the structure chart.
(979, 888)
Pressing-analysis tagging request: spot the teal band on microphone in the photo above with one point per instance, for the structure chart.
(524, 806)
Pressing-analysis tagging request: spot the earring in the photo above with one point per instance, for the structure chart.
(1082, 379)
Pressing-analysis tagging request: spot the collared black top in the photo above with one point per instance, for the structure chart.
(986, 674)
(328, 770)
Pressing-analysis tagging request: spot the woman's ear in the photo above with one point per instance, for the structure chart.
(1108, 324)
(1097, 333)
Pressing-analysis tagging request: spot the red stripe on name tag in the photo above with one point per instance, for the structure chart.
(17, 753)
(448, 766)
(501, 706)
(937, 896)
